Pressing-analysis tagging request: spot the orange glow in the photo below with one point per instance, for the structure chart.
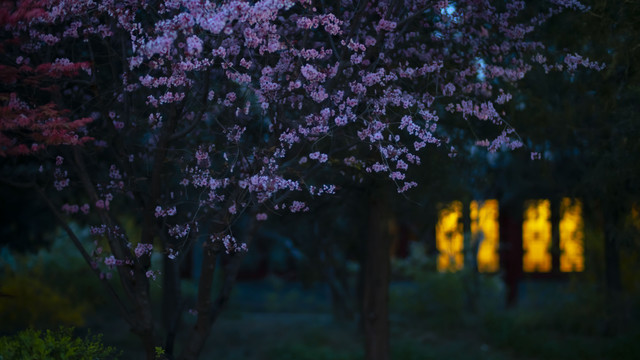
(485, 229)
(536, 236)
(449, 237)
(635, 216)
(571, 236)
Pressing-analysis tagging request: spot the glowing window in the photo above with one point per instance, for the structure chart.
(536, 236)
(449, 237)
(485, 229)
(571, 236)
(635, 216)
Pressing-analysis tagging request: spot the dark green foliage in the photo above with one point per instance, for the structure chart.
(443, 298)
(31, 301)
(54, 345)
(47, 289)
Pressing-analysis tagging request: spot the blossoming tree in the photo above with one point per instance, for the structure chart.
(189, 114)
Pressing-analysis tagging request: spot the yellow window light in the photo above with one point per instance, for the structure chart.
(571, 236)
(449, 237)
(536, 236)
(635, 216)
(485, 230)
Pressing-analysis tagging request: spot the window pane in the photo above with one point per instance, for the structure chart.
(485, 230)
(536, 236)
(571, 236)
(449, 237)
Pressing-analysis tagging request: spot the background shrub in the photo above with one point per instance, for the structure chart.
(54, 345)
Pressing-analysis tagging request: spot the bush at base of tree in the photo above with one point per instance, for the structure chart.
(54, 345)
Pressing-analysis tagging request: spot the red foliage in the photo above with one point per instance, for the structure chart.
(29, 120)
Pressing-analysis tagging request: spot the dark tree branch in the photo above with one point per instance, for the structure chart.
(202, 327)
(78, 244)
(196, 120)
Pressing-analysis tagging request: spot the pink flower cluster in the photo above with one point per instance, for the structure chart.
(230, 244)
(73, 209)
(143, 249)
(160, 212)
(179, 231)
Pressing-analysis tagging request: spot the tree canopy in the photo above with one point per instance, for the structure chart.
(190, 114)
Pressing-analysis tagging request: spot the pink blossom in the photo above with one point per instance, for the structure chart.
(396, 175)
(97, 230)
(312, 74)
(143, 249)
(172, 255)
(261, 216)
(448, 89)
(320, 157)
(150, 274)
(110, 261)
(70, 209)
(298, 206)
(385, 25)
(194, 45)
(179, 231)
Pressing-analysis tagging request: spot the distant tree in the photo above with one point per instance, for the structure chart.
(190, 114)
(582, 124)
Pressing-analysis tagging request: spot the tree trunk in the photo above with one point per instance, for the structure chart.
(149, 344)
(375, 313)
(471, 276)
(145, 321)
(612, 259)
(204, 306)
(612, 271)
(336, 279)
(208, 310)
(511, 248)
(171, 302)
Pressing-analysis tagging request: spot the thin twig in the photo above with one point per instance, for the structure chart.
(78, 244)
